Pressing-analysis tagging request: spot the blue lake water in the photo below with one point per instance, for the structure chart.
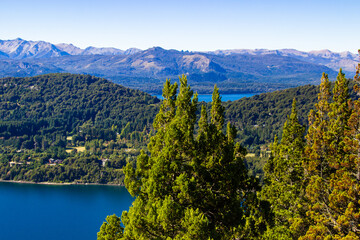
(48, 212)
(224, 97)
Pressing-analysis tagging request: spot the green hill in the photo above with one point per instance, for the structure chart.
(261, 117)
(44, 115)
(64, 102)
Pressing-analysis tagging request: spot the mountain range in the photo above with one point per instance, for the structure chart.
(345, 60)
(234, 71)
(22, 49)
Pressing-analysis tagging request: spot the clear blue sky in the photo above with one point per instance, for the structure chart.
(186, 24)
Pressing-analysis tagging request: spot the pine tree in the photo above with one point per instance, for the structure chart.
(326, 154)
(159, 210)
(316, 165)
(347, 198)
(191, 186)
(284, 180)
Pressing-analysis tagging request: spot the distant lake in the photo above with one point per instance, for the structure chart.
(49, 212)
(224, 97)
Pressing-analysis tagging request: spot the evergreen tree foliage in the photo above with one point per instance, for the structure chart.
(284, 180)
(111, 229)
(325, 165)
(192, 186)
(347, 199)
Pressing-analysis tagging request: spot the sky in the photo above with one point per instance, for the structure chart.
(194, 25)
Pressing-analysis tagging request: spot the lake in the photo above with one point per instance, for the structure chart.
(58, 212)
(224, 97)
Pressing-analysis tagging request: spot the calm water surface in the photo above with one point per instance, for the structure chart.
(224, 97)
(46, 212)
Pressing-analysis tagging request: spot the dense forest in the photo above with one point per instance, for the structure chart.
(193, 183)
(53, 124)
(71, 128)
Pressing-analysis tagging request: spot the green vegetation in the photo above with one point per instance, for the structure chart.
(284, 175)
(313, 185)
(192, 186)
(259, 118)
(71, 128)
(192, 181)
(58, 116)
(111, 229)
(331, 170)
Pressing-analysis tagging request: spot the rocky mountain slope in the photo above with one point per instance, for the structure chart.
(234, 71)
(23, 49)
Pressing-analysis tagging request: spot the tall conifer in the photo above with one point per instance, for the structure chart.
(325, 154)
(347, 189)
(284, 180)
(191, 187)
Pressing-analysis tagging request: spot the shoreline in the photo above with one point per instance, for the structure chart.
(61, 184)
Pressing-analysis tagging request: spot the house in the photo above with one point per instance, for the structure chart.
(53, 162)
(15, 163)
(58, 161)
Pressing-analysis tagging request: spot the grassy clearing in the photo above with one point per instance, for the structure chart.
(250, 155)
(79, 149)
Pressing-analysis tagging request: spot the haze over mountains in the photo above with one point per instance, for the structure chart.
(234, 71)
(345, 60)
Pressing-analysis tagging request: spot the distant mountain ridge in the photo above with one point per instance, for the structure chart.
(345, 60)
(73, 50)
(23, 49)
(234, 71)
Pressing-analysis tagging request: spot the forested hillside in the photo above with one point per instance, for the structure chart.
(259, 118)
(65, 102)
(43, 116)
(80, 120)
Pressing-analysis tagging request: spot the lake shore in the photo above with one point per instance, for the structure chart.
(59, 184)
